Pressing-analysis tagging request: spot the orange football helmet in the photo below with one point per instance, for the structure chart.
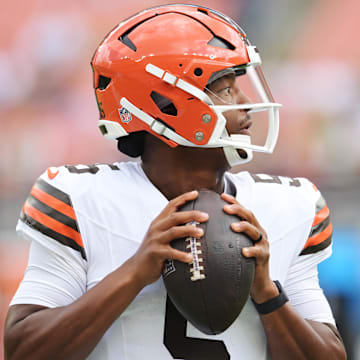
(150, 73)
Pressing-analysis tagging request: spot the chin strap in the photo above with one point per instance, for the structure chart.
(233, 157)
(232, 154)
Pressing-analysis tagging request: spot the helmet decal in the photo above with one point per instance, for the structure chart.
(125, 115)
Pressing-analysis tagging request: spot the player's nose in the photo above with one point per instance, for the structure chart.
(242, 98)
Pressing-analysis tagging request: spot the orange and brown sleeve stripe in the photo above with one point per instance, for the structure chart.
(321, 231)
(50, 211)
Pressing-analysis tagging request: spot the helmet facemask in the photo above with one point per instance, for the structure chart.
(257, 106)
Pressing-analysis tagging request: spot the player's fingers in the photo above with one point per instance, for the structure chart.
(241, 212)
(255, 234)
(229, 198)
(179, 232)
(251, 251)
(179, 255)
(180, 200)
(260, 248)
(182, 217)
(171, 208)
(261, 253)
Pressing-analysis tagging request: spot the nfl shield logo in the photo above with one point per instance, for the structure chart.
(125, 115)
(168, 267)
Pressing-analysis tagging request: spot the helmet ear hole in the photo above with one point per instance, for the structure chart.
(165, 105)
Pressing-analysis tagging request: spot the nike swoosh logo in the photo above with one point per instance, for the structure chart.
(52, 172)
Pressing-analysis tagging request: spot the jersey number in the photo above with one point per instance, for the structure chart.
(88, 169)
(182, 347)
(273, 179)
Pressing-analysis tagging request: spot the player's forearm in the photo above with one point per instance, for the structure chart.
(72, 332)
(291, 337)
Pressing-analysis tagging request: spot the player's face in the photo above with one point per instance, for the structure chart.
(226, 91)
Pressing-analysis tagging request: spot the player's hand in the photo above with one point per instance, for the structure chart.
(263, 287)
(167, 226)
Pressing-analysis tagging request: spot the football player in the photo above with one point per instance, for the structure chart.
(168, 84)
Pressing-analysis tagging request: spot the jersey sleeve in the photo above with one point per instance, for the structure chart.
(320, 236)
(53, 277)
(49, 210)
(304, 291)
(56, 271)
(302, 282)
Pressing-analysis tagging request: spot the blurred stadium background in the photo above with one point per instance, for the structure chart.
(48, 113)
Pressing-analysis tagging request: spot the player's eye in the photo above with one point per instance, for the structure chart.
(225, 92)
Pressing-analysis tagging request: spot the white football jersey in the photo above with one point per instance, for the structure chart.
(86, 221)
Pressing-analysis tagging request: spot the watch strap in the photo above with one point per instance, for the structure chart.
(274, 303)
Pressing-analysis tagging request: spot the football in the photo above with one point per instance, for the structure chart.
(212, 290)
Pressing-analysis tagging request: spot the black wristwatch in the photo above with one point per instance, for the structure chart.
(274, 303)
